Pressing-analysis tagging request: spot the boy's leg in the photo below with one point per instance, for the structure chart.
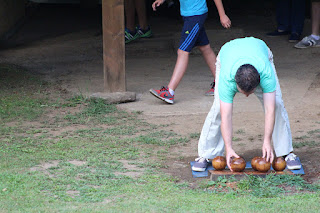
(179, 69)
(209, 57)
(167, 93)
(211, 143)
(282, 138)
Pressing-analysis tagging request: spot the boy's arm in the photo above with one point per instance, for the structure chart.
(224, 19)
(156, 4)
(269, 100)
(226, 130)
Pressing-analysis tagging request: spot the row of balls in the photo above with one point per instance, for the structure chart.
(258, 163)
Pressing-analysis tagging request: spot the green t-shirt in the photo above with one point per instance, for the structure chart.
(242, 51)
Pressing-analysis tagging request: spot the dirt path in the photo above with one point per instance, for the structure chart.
(70, 53)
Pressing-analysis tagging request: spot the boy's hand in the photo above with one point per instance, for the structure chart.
(156, 4)
(225, 21)
(267, 151)
(230, 153)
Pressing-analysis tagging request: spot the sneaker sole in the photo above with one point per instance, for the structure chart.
(146, 35)
(209, 94)
(304, 47)
(294, 167)
(198, 169)
(161, 98)
(128, 41)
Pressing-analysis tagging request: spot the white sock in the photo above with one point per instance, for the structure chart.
(171, 92)
(316, 37)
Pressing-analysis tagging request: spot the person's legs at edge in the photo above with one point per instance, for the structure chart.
(282, 137)
(282, 17)
(130, 31)
(297, 19)
(316, 18)
(130, 13)
(140, 6)
(312, 40)
(211, 143)
(143, 28)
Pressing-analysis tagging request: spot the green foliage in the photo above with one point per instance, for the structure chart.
(273, 185)
(21, 94)
(195, 135)
(240, 131)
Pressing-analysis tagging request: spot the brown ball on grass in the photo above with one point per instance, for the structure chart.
(238, 164)
(219, 163)
(263, 165)
(279, 164)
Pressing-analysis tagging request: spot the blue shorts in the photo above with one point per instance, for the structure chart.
(193, 32)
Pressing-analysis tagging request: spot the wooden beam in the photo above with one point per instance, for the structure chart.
(113, 45)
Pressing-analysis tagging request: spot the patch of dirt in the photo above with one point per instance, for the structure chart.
(73, 193)
(45, 166)
(77, 162)
(131, 170)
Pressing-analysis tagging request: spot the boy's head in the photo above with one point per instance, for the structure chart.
(247, 78)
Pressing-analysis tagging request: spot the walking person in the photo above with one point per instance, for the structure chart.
(194, 13)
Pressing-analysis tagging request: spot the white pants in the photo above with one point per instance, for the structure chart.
(211, 143)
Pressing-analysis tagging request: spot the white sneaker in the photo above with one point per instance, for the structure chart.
(200, 165)
(292, 162)
(308, 41)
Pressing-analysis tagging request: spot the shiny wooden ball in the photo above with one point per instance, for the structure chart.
(254, 162)
(279, 164)
(238, 164)
(219, 163)
(263, 165)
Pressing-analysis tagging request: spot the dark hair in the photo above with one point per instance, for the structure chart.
(247, 77)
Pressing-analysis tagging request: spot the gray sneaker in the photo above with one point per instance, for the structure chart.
(200, 165)
(308, 41)
(292, 162)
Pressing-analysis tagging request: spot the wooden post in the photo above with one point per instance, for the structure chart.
(113, 45)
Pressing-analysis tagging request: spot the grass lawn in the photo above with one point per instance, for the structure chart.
(62, 153)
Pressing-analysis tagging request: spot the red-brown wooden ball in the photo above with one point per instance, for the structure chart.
(263, 165)
(279, 164)
(219, 163)
(238, 164)
(254, 162)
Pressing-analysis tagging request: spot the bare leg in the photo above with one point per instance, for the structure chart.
(315, 18)
(142, 14)
(179, 69)
(129, 7)
(209, 57)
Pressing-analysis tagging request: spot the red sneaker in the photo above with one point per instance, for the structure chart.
(163, 94)
(211, 91)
